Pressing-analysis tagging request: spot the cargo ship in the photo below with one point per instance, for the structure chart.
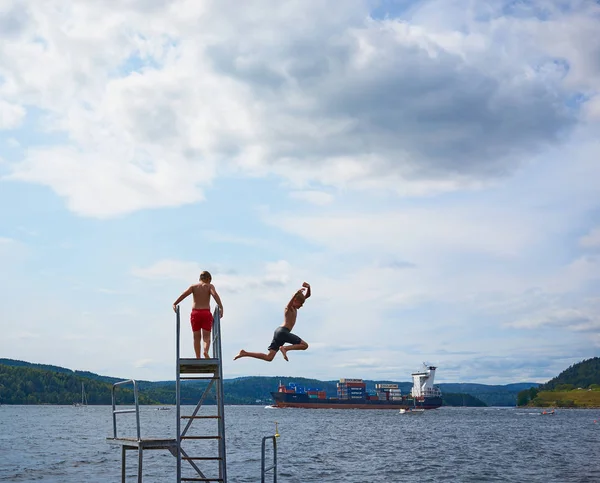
(352, 394)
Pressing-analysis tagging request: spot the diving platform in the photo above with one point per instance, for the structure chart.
(206, 445)
(198, 366)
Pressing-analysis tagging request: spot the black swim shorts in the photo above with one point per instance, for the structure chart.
(281, 336)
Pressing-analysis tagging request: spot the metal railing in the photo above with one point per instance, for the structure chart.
(124, 411)
(263, 468)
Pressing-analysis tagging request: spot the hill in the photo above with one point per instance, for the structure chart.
(578, 386)
(29, 383)
(582, 374)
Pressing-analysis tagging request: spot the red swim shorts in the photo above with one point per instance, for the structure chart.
(201, 319)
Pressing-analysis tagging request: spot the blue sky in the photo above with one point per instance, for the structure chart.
(430, 169)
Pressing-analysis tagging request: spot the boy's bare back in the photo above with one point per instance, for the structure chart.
(202, 292)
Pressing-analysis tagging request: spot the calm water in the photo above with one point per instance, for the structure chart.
(67, 444)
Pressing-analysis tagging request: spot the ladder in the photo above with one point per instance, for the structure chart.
(210, 370)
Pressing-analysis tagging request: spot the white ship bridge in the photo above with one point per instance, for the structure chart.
(423, 384)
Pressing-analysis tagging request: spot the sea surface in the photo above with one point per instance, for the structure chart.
(68, 444)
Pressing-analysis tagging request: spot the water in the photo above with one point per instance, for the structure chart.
(67, 444)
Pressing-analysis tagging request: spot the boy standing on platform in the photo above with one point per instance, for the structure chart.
(201, 318)
(283, 333)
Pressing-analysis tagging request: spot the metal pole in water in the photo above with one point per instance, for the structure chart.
(178, 398)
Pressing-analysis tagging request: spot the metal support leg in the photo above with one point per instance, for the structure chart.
(140, 455)
(123, 459)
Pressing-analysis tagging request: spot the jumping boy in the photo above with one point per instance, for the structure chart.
(283, 333)
(201, 317)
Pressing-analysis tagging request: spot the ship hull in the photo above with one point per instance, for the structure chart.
(292, 400)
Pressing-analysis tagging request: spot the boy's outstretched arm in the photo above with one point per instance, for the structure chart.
(181, 297)
(307, 287)
(213, 292)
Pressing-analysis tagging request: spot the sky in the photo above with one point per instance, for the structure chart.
(431, 169)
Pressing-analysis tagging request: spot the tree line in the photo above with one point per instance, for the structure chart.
(31, 384)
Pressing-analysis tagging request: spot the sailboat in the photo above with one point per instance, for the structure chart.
(83, 398)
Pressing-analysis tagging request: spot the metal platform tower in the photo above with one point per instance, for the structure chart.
(210, 370)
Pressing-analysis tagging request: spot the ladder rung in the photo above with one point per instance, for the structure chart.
(200, 437)
(200, 417)
(199, 378)
(201, 479)
(201, 458)
(123, 411)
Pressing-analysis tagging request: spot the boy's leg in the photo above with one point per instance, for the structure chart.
(206, 340)
(197, 337)
(257, 355)
(300, 346)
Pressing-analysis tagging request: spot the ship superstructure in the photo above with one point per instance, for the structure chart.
(423, 384)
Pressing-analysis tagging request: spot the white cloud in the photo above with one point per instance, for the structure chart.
(274, 274)
(143, 363)
(169, 269)
(592, 109)
(180, 92)
(11, 115)
(412, 232)
(577, 320)
(592, 239)
(314, 197)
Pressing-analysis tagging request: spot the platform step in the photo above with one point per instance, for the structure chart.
(201, 479)
(199, 378)
(200, 437)
(198, 366)
(201, 417)
(201, 458)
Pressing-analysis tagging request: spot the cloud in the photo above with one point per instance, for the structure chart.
(409, 232)
(11, 115)
(577, 320)
(314, 197)
(12, 251)
(396, 264)
(275, 274)
(169, 270)
(236, 240)
(180, 93)
(591, 240)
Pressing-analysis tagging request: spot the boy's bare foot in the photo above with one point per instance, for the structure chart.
(206, 356)
(242, 353)
(283, 353)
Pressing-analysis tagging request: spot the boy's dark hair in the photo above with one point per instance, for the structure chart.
(205, 276)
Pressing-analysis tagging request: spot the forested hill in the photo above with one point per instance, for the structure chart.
(85, 374)
(582, 374)
(27, 383)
